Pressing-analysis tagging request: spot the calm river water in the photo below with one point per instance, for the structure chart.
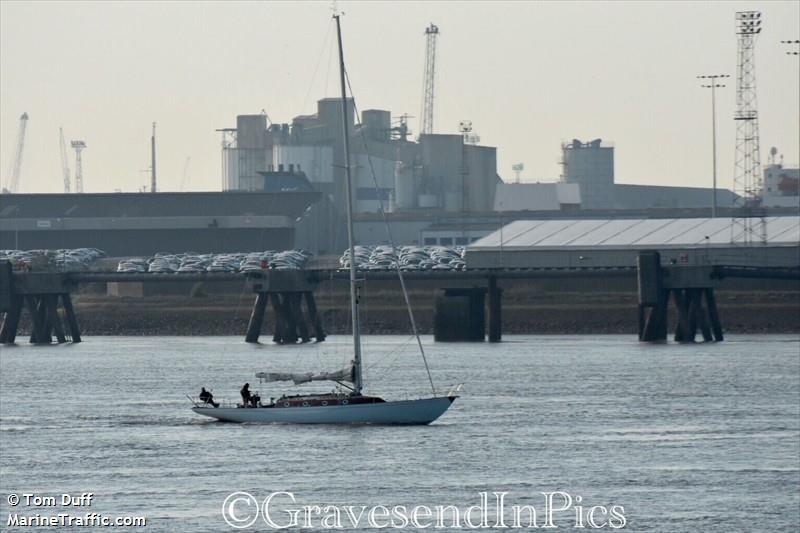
(683, 438)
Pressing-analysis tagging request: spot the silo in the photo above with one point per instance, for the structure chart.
(252, 151)
(403, 185)
(591, 166)
(378, 124)
(230, 168)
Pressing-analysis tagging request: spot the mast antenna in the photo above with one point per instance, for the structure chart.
(429, 82)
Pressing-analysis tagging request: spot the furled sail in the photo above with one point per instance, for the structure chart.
(345, 374)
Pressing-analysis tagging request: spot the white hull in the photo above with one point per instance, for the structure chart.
(408, 412)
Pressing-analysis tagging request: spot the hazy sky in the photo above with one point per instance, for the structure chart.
(528, 74)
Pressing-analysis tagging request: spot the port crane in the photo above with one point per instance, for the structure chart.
(64, 161)
(431, 33)
(13, 176)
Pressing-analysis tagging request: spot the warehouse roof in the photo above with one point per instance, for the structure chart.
(636, 233)
(162, 204)
(535, 196)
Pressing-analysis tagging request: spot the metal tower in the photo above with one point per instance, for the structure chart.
(64, 162)
(16, 166)
(78, 146)
(431, 32)
(153, 160)
(746, 226)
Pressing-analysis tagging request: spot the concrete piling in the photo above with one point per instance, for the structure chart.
(459, 315)
(313, 317)
(495, 310)
(256, 317)
(688, 287)
(72, 320)
(290, 324)
(713, 315)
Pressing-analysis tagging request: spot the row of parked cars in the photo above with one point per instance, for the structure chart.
(162, 263)
(405, 257)
(62, 260)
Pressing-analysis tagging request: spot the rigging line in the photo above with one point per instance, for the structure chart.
(328, 70)
(391, 239)
(397, 352)
(239, 300)
(316, 68)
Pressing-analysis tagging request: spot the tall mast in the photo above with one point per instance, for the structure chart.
(153, 160)
(350, 238)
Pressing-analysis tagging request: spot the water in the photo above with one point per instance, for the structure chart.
(685, 438)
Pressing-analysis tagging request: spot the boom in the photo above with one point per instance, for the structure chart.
(64, 163)
(13, 178)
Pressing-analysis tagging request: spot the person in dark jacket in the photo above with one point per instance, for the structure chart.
(207, 398)
(246, 397)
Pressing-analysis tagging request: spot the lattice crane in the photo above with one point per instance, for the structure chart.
(13, 176)
(431, 33)
(64, 161)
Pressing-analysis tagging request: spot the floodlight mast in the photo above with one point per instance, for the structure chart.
(713, 85)
(747, 224)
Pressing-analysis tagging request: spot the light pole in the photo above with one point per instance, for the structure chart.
(712, 84)
(792, 52)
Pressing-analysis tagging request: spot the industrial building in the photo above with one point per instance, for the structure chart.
(439, 172)
(590, 165)
(781, 186)
(419, 182)
(614, 243)
(537, 197)
(125, 224)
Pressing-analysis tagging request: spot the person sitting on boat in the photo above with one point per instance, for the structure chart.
(246, 396)
(255, 399)
(207, 398)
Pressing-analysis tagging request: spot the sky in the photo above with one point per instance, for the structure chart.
(529, 75)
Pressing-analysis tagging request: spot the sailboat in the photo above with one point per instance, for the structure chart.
(349, 405)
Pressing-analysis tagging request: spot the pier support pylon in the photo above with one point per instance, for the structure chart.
(256, 317)
(495, 295)
(290, 323)
(690, 289)
(8, 331)
(46, 319)
(694, 316)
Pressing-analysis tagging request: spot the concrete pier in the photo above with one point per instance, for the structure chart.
(48, 303)
(469, 307)
(286, 291)
(495, 310)
(459, 315)
(692, 291)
